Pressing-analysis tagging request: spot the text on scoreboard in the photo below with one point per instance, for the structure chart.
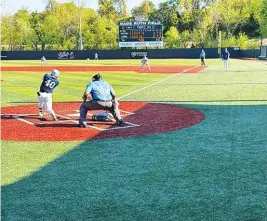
(140, 33)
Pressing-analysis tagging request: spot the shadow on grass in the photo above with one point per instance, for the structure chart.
(215, 170)
(207, 101)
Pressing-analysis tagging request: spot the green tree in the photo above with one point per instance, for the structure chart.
(172, 37)
(204, 26)
(146, 8)
(50, 5)
(242, 41)
(167, 14)
(107, 9)
(228, 41)
(233, 13)
(189, 14)
(66, 18)
(121, 8)
(263, 20)
(185, 38)
(8, 38)
(90, 23)
(51, 34)
(23, 31)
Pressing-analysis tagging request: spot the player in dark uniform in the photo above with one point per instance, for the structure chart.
(225, 58)
(50, 81)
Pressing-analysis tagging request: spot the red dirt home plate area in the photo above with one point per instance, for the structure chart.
(154, 69)
(21, 123)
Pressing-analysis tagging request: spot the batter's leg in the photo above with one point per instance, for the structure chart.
(48, 103)
(40, 104)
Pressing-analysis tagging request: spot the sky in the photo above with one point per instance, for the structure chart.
(12, 6)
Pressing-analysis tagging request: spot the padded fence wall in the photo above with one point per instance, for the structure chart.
(122, 54)
(250, 53)
(263, 51)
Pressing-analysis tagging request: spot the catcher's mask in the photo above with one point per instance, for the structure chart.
(97, 77)
(55, 73)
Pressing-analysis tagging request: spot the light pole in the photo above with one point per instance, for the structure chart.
(80, 26)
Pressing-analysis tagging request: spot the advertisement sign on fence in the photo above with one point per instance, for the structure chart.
(65, 55)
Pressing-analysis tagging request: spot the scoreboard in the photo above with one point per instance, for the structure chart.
(140, 34)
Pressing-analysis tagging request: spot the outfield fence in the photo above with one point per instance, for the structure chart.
(186, 53)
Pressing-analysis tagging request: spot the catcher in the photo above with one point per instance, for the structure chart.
(105, 116)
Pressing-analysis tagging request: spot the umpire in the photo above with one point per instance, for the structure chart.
(99, 95)
(202, 57)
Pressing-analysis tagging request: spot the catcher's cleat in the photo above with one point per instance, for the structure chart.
(41, 114)
(120, 122)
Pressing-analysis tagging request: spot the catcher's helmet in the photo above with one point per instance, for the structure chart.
(55, 73)
(97, 77)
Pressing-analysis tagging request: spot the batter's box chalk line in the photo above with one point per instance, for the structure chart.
(21, 117)
(123, 114)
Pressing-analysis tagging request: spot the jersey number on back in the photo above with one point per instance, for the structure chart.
(50, 84)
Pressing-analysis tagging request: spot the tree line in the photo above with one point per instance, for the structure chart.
(186, 23)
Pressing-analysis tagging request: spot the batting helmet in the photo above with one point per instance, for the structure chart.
(97, 77)
(55, 73)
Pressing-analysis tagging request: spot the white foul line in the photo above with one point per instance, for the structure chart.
(150, 85)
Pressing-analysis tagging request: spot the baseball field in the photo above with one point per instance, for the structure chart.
(193, 146)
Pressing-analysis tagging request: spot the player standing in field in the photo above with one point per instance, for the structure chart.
(144, 62)
(50, 81)
(96, 56)
(43, 61)
(202, 57)
(99, 95)
(225, 58)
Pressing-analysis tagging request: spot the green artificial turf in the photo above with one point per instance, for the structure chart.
(213, 171)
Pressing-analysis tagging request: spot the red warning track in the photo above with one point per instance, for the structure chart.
(155, 69)
(21, 123)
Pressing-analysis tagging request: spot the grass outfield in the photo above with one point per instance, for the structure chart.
(214, 170)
